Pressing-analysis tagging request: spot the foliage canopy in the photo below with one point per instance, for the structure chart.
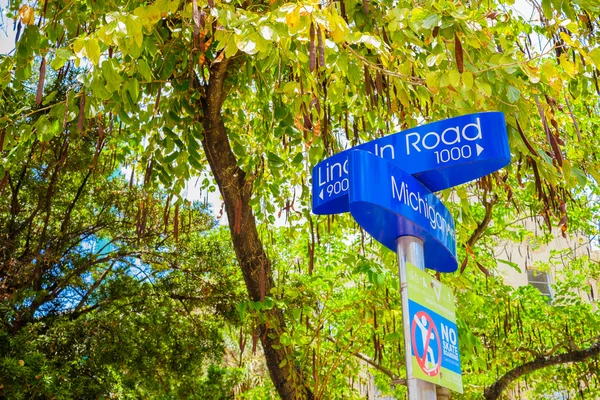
(266, 90)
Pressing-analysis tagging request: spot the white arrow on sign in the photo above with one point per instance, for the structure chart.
(321, 194)
(479, 149)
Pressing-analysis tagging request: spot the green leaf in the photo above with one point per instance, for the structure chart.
(171, 157)
(193, 161)
(231, 47)
(79, 47)
(513, 94)
(113, 78)
(454, 77)
(167, 6)
(132, 87)
(511, 264)
(569, 67)
(275, 162)
(247, 44)
(48, 99)
(99, 88)
(594, 55)
(60, 58)
(579, 175)
(268, 33)
(338, 27)
(30, 40)
(485, 88)
(444, 79)
(46, 129)
(149, 15)
(134, 33)
(92, 50)
(298, 158)
(431, 21)
(285, 339)
(88, 48)
(144, 69)
(268, 303)
(592, 171)
(256, 305)
(394, 336)
(433, 79)
(467, 78)
(547, 8)
(241, 309)
(296, 312)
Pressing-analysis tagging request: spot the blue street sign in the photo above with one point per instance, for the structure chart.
(440, 155)
(388, 203)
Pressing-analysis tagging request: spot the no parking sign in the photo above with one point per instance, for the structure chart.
(434, 340)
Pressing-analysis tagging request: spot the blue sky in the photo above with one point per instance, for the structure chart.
(7, 35)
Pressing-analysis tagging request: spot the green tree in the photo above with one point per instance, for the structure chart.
(345, 318)
(105, 290)
(269, 89)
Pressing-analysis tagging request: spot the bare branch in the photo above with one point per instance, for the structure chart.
(395, 379)
(95, 286)
(493, 392)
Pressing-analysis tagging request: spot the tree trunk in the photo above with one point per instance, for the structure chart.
(442, 393)
(236, 190)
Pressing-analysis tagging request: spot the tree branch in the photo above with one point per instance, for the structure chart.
(395, 379)
(493, 392)
(482, 226)
(94, 286)
(67, 217)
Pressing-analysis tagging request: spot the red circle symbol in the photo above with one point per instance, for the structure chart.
(428, 332)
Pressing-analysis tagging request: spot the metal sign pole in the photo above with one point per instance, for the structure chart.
(410, 249)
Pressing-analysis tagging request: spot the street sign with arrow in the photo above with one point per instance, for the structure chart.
(440, 155)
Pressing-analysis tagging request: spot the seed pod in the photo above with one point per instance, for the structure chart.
(176, 223)
(157, 102)
(81, 112)
(321, 48)
(311, 49)
(196, 18)
(40, 87)
(458, 54)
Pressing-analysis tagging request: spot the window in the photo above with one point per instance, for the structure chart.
(539, 280)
